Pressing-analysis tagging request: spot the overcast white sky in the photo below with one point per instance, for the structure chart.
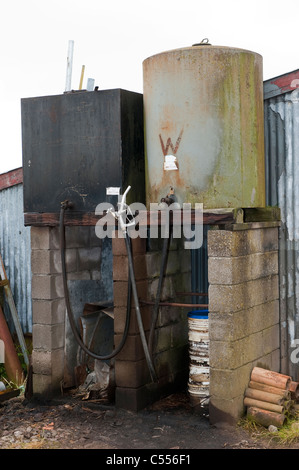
(112, 38)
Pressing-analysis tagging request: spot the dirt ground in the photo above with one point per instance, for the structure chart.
(73, 423)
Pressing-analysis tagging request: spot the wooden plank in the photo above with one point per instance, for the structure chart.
(9, 393)
(262, 214)
(148, 218)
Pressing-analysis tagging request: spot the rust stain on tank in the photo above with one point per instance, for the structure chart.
(214, 94)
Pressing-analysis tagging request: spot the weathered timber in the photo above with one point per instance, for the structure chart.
(271, 378)
(145, 218)
(262, 214)
(266, 417)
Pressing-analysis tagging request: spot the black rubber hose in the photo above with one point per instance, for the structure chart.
(164, 258)
(138, 314)
(116, 351)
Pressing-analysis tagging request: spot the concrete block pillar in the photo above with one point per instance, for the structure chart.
(54, 354)
(48, 312)
(243, 312)
(134, 387)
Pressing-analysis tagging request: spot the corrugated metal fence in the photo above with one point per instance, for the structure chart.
(15, 248)
(281, 113)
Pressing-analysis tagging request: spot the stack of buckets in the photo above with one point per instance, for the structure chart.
(199, 370)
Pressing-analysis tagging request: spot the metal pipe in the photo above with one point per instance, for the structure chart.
(173, 304)
(69, 67)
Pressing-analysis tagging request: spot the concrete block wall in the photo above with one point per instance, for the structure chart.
(134, 388)
(83, 259)
(243, 312)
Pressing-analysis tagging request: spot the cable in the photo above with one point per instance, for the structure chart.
(138, 314)
(164, 257)
(65, 205)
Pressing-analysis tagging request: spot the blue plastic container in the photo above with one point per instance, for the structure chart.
(199, 314)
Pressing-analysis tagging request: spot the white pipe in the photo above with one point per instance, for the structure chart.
(69, 67)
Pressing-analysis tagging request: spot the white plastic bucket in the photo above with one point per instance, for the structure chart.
(199, 369)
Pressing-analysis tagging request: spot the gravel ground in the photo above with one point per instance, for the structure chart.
(73, 423)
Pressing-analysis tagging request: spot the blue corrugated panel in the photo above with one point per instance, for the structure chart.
(15, 250)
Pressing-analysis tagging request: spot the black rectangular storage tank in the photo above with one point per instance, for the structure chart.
(77, 145)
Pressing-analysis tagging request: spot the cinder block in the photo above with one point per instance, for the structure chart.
(271, 339)
(48, 362)
(227, 384)
(45, 238)
(131, 374)
(70, 260)
(179, 334)
(120, 268)
(173, 265)
(171, 315)
(120, 319)
(89, 258)
(45, 386)
(236, 325)
(231, 298)
(77, 236)
(234, 270)
(40, 238)
(40, 261)
(168, 288)
(42, 385)
(120, 292)
(222, 243)
(48, 312)
(132, 349)
(48, 337)
(163, 339)
(277, 363)
(136, 399)
(94, 240)
(234, 354)
(119, 245)
(47, 287)
(41, 362)
(228, 411)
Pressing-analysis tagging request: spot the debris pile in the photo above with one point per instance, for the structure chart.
(271, 397)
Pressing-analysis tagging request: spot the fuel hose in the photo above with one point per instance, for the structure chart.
(66, 205)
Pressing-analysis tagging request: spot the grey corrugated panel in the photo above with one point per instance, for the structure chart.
(15, 249)
(282, 189)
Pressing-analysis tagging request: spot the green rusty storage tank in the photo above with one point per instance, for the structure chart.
(204, 131)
